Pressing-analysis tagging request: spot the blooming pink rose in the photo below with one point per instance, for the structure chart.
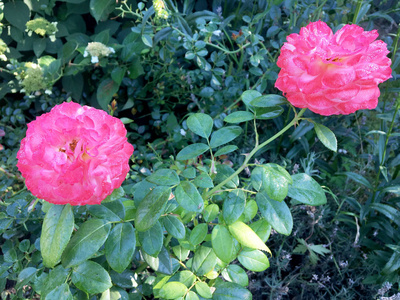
(333, 74)
(74, 154)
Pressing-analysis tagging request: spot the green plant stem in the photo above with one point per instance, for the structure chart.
(254, 151)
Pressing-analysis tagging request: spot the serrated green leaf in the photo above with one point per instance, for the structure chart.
(91, 278)
(231, 291)
(174, 226)
(203, 290)
(192, 151)
(164, 177)
(306, 190)
(225, 135)
(236, 274)
(187, 195)
(152, 239)
(239, 117)
(225, 150)
(234, 205)
(268, 101)
(200, 124)
(246, 236)
(203, 181)
(223, 243)
(173, 290)
(198, 234)
(253, 260)
(210, 212)
(326, 136)
(204, 261)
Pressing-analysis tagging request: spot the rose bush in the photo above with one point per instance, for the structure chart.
(333, 74)
(74, 154)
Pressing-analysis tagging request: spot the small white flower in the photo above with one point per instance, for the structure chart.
(85, 54)
(217, 32)
(95, 60)
(183, 132)
(111, 49)
(48, 92)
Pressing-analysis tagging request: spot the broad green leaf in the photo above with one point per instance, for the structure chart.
(246, 236)
(106, 90)
(223, 243)
(180, 252)
(187, 195)
(326, 136)
(173, 290)
(86, 242)
(236, 274)
(56, 232)
(150, 208)
(152, 239)
(306, 190)
(164, 177)
(91, 278)
(186, 277)
(249, 96)
(234, 205)
(113, 211)
(127, 279)
(61, 292)
(17, 13)
(225, 135)
(100, 9)
(203, 290)
(273, 179)
(192, 151)
(174, 226)
(262, 228)
(210, 212)
(204, 261)
(275, 213)
(118, 74)
(226, 149)
(223, 172)
(191, 296)
(203, 181)
(120, 246)
(266, 113)
(250, 211)
(189, 173)
(140, 190)
(114, 294)
(25, 276)
(253, 260)
(163, 263)
(147, 40)
(268, 101)
(200, 124)
(239, 117)
(56, 277)
(198, 234)
(231, 291)
(357, 178)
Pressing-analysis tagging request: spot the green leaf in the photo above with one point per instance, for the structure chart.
(225, 135)
(150, 208)
(250, 211)
(106, 90)
(56, 232)
(198, 234)
(187, 195)
(262, 228)
(273, 179)
(223, 243)
(210, 212)
(113, 211)
(200, 124)
(173, 290)
(357, 178)
(91, 278)
(61, 292)
(203, 181)
(120, 246)
(164, 177)
(186, 277)
(276, 213)
(231, 291)
(180, 252)
(225, 150)
(246, 236)
(17, 13)
(268, 101)
(174, 226)
(234, 205)
(86, 242)
(100, 9)
(152, 239)
(223, 172)
(192, 151)
(253, 260)
(306, 190)
(204, 261)
(56, 277)
(266, 113)
(249, 96)
(326, 136)
(25, 276)
(203, 290)
(162, 263)
(239, 117)
(140, 190)
(147, 40)
(118, 74)
(236, 274)
(191, 296)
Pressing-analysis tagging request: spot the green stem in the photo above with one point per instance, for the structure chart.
(254, 151)
(359, 3)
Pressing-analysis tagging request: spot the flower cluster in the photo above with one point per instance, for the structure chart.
(97, 50)
(333, 73)
(159, 8)
(41, 27)
(74, 154)
(33, 78)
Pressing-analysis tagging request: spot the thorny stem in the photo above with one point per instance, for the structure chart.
(254, 151)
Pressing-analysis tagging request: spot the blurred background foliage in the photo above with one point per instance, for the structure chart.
(161, 61)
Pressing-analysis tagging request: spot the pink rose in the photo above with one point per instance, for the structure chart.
(333, 74)
(74, 154)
